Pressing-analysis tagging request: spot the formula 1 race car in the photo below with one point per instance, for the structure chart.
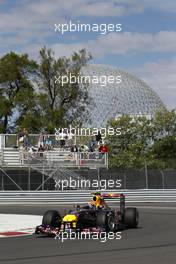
(97, 215)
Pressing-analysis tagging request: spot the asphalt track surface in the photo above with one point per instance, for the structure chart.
(153, 242)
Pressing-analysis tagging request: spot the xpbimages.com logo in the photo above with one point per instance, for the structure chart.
(102, 29)
(103, 237)
(103, 80)
(87, 184)
(77, 131)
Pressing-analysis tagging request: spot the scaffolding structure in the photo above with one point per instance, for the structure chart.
(25, 170)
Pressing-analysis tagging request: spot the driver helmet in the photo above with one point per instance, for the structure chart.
(97, 200)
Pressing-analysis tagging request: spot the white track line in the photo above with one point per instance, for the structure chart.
(15, 223)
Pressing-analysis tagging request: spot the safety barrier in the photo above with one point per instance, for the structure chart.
(80, 197)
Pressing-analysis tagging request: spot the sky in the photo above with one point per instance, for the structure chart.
(145, 46)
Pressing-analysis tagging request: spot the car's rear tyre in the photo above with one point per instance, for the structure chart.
(52, 218)
(131, 217)
(106, 220)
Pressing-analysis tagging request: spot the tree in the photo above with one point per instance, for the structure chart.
(163, 149)
(31, 97)
(17, 95)
(144, 141)
(62, 105)
(129, 150)
(165, 123)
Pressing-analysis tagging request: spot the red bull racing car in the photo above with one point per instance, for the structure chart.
(96, 215)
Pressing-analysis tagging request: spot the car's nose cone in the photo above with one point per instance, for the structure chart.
(70, 218)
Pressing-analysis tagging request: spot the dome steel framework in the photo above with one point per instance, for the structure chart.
(131, 97)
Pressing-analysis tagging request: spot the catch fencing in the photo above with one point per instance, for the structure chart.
(34, 178)
(144, 178)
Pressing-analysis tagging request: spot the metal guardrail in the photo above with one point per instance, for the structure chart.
(65, 159)
(80, 197)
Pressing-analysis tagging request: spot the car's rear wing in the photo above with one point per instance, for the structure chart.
(112, 195)
(121, 197)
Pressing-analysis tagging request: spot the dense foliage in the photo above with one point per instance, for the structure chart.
(144, 141)
(31, 97)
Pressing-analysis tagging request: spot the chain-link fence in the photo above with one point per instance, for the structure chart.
(131, 178)
(84, 179)
(24, 179)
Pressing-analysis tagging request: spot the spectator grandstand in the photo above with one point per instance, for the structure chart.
(46, 156)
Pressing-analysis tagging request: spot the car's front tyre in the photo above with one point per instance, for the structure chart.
(52, 218)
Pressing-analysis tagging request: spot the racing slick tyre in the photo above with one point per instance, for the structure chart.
(131, 217)
(52, 218)
(106, 220)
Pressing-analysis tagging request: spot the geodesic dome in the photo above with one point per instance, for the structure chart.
(132, 96)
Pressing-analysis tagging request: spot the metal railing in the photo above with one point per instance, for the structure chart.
(81, 197)
(12, 140)
(20, 158)
(64, 159)
(55, 152)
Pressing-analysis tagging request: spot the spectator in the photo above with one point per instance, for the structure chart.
(103, 148)
(98, 137)
(20, 138)
(83, 148)
(41, 140)
(26, 138)
(41, 150)
(63, 137)
(74, 148)
(92, 145)
(48, 143)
